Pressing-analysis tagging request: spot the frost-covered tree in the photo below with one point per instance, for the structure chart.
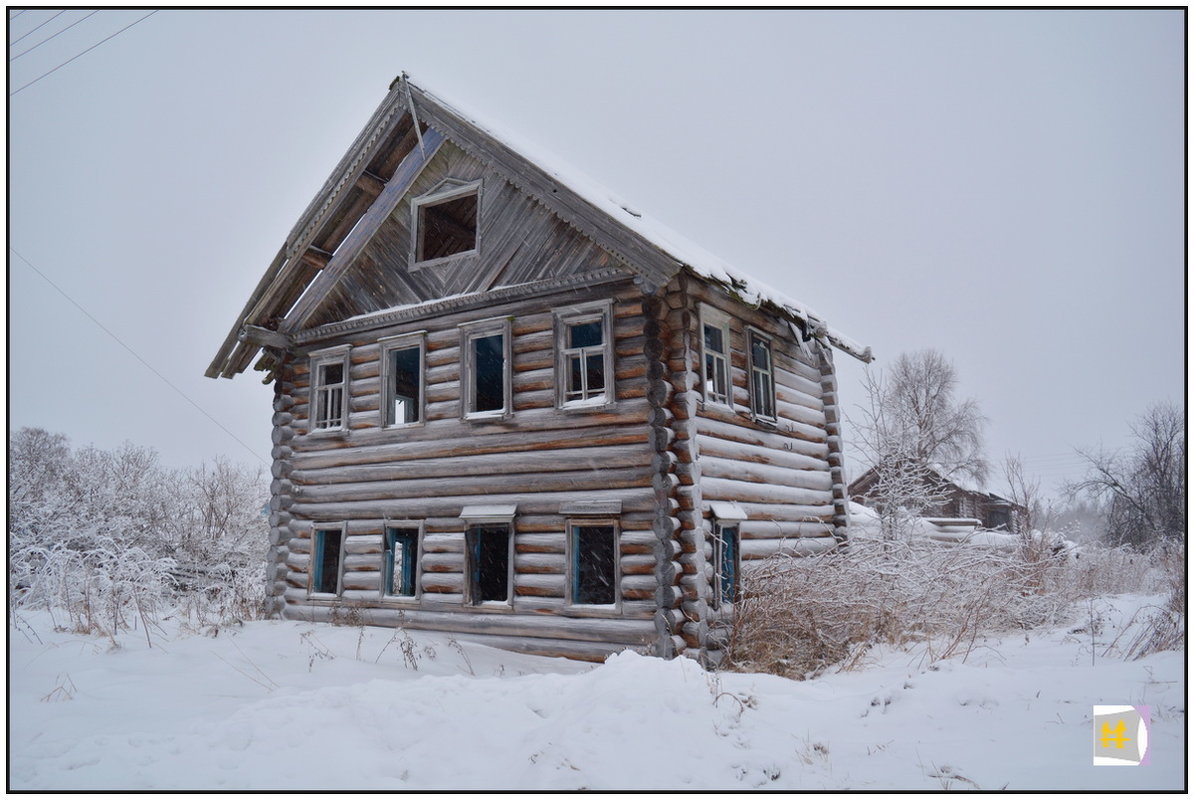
(913, 431)
(108, 535)
(1144, 488)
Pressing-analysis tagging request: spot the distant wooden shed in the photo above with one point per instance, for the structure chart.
(509, 407)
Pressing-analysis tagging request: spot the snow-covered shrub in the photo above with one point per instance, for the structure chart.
(111, 539)
(799, 616)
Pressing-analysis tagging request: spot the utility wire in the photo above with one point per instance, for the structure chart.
(137, 356)
(85, 52)
(48, 38)
(47, 22)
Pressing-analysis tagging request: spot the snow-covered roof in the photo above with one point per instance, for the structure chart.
(690, 255)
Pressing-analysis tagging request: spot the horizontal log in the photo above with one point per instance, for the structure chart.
(616, 456)
(765, 548)
(633, 500)
(727, 489)
(523, 484)
(714, 467)
(717, 428)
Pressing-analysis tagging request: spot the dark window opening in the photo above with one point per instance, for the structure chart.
(326, 560)
(448, 227)
(489, 549)
(762, 377)
(489, 373)
(594, 568)
(405, 383)
(725, 565)
(400, 562)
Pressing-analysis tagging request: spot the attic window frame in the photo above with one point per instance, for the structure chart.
(436, 197)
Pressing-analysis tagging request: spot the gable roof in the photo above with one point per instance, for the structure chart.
(402, 135)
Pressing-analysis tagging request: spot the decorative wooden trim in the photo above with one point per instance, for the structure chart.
(434, 308)
(374, 216)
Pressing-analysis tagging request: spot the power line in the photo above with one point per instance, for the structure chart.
(47, 22)
(48, 38)
(148, 366)
(85, 52)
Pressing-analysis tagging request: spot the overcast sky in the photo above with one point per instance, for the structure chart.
(1005, 186)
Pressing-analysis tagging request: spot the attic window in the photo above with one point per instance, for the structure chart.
(445, 224)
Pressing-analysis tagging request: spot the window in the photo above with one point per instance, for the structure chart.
(725, 563)
(445, 223)
(402, 380)
(584, 366)
(485, 385)
(400, 563)
(329, 389)
(327, 561)
(593, 559)
(715, 348)
(762, 377)
(490, 549)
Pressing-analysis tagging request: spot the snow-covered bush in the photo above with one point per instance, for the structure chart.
(112, 539)
(800, 616)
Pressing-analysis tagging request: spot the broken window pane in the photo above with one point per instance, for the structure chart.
(762, 377)
(594, 550)
(717, 371)
(725, 564)
(490, 552)
(489, 373)
(584, 354)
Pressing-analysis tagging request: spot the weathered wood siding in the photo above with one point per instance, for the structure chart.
(538, 458)
(785, 475)
(518, 242)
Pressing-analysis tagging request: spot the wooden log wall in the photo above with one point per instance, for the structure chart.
(785, 475)
(538, 458)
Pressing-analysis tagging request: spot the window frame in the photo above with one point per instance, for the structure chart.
(602, 312)
(481, 329)
(318, 360)
(753, 333)
(572, 554)
(720, 527)
(442, 194)
(387, 561)
(716, 318)
(471, 589)
(316, 563)
(390, 344)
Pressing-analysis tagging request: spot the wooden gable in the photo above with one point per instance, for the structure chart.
(518, 242)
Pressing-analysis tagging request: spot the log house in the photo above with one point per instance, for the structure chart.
(511, 408)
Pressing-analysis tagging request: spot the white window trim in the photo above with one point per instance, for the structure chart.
(717, 318)
(436, 196)
(751, 334)
(479, 330)
(406, 525)
(570, 561)
(342, 527)
(318, 359)
(469, 589)
(601, 311)
(404, 342)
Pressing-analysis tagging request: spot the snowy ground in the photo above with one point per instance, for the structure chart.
(286, 705)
